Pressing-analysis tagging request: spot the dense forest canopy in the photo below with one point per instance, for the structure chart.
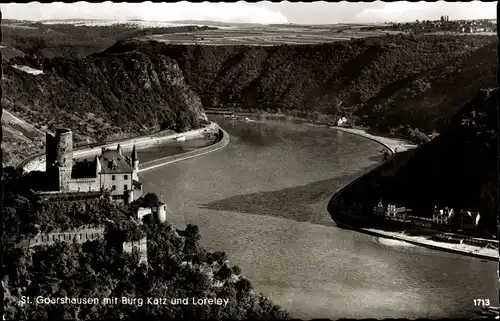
(177, 267)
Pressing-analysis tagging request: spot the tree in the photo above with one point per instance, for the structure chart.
(224, 273)
(236, 270)
(243, 285)
(150, 199)
(218, 257)
(192, 233)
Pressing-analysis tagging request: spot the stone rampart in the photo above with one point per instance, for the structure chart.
(141, 246)
(84, 184)
(80, 235)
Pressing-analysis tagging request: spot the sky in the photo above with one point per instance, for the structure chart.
(262, 12)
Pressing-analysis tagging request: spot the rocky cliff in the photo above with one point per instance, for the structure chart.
(111, 96)
(397, 84)
(384, 81)
(458, 168)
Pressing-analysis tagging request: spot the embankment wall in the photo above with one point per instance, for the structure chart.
(221, 142)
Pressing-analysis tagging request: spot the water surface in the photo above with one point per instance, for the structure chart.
(263, 199)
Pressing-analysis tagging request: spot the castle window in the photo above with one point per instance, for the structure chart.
(125, 187)
(125, 176)
(113, 187)
(113, 177)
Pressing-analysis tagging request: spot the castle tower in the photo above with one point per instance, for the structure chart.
(135, 163)
(161, 212)
(59, 157)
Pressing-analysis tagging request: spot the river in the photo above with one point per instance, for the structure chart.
(262, 200)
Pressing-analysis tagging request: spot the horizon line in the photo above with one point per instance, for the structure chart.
(241, 23)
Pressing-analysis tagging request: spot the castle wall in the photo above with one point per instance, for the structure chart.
(84, 184)
(143, 211)
(64, 178)
(80, 235)
(141, 246)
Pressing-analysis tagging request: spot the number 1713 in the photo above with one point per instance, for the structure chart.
(481, 302)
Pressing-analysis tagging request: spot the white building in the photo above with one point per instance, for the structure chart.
(342, 122)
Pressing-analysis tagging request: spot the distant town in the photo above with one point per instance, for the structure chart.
(444, 24)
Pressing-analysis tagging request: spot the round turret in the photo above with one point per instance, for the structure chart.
(162, 213)
(64, 147)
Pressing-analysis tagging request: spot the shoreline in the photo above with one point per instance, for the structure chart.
(37, 162)
(395, 146)
(222, 141)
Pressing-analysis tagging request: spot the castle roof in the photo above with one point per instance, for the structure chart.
(113, 162)
(134, 154)
(83, 169)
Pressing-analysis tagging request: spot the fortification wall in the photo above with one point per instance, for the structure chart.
(143, 211)
(84, 184)
(141, 246)
(80, 235)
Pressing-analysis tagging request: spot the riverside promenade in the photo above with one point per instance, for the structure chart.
(37, 162)
(221, 142)
(396, 146)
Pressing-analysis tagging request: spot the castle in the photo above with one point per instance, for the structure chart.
(110, 172)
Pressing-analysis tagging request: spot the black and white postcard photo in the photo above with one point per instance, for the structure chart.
(249, 160)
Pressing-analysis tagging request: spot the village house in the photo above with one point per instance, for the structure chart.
(397, 211)
(392, 211)
(442, 216)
